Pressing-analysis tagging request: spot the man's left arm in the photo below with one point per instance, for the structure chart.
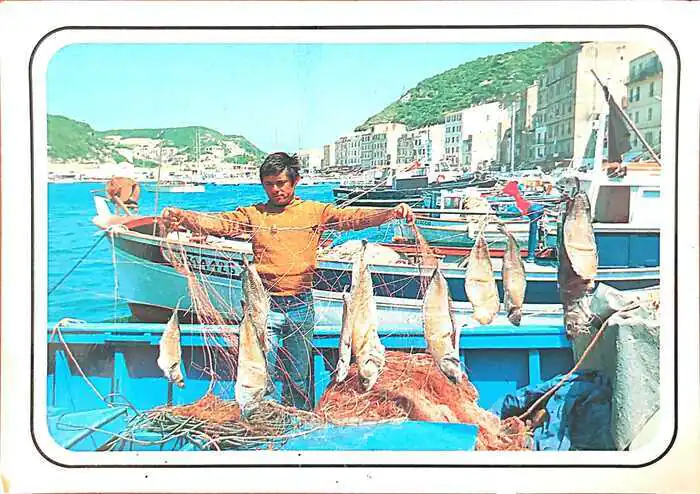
(361, 218)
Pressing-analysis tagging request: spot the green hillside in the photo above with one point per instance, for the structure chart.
(484, 80)
(185, 139)
(72, 140)
(78, 141)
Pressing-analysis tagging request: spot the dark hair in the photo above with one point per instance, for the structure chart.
(277, 163)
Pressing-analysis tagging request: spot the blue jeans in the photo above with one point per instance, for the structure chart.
(291, 329)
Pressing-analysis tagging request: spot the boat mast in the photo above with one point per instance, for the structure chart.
(512, 139)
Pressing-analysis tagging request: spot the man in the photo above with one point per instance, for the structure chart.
(285, 234)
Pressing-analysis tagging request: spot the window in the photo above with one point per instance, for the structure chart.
(651, 90)
(649, 113)
(649, 138)
(636, 116)
(636, 93)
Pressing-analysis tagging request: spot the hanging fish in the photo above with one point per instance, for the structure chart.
(579, 240)
(514, 283)
(170, 352)
(441, 333)
(480, 283)
(361, 322)
(575, 275)
(252, 376)
(345, 348)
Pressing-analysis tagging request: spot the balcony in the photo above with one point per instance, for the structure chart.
(649, 69)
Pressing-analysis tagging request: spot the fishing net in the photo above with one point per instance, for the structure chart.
(215, 424)
(412, 387)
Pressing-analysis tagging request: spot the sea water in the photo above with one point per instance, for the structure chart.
(89, 293)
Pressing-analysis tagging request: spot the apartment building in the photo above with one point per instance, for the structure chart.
(424, 144)
(569, 98)
(310, 159)
(472, 136)
(348, 150)
(525, 128)
(643, 102)
(328, 162)
(383, 144)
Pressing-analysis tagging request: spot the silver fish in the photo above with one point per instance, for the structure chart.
(441, 332)
(170, 352)
(579, 240)
(514, 282)
(361, 321)
(252, 377)
(345, 348)
(575, 274)
(480, 283)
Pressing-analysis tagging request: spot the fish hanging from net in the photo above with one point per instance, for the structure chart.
(405, 385)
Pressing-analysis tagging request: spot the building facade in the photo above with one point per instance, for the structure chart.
(472, 136)
(348, 150)
(643, 102)
(328, 162)
(310, 160)
(570, 99)
(424, 144)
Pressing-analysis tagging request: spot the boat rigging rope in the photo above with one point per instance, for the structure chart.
(629, 307)
(75, 266)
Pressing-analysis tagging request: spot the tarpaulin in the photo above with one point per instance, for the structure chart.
(578, 413)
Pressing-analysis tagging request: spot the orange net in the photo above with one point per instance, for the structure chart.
(412, 387)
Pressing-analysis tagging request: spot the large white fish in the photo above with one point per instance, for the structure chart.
(170, 351)
(579, 240)
(514, 282)
(480, 283)
(345, 348)
(441, 332)
(252, 377)
(359, 326)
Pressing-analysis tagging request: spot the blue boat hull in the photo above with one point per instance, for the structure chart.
(120, 362)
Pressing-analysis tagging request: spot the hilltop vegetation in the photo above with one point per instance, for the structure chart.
(73, 140)
(70, 140)
(484, 80)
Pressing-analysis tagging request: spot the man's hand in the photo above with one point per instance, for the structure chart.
(404, 211)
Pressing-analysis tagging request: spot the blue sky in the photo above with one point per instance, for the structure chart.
(280, 96)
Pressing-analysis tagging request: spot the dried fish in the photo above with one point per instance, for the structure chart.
(252, 379)
(441, 332)
(360, 321)
(514, 282)
(579, 240)
(170, 351)
(480, 283)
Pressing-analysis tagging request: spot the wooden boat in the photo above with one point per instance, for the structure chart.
(152, 287)
(78, 420)
(410, 190)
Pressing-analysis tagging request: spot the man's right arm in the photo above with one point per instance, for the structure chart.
(229, 224)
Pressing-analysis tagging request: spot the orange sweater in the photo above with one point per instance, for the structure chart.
(285, 240)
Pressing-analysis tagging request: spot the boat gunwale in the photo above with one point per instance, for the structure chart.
(394, 269)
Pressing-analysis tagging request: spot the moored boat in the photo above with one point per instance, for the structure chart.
(152, 286)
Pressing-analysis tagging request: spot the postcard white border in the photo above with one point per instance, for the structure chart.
(15, 140)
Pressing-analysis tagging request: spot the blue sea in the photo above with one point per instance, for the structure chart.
(88, 292)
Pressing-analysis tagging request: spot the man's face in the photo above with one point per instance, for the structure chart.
(279, 188)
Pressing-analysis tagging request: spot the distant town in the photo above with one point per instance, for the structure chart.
(552, 122)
